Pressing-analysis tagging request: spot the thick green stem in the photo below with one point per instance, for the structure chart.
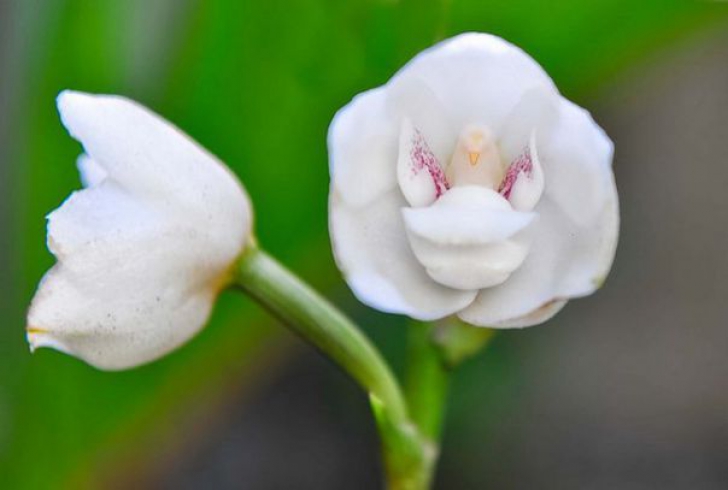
(307, 313)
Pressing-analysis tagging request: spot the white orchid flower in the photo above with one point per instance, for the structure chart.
(468, 185)
(144, 249)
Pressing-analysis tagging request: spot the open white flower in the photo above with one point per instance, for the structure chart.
(144, 249)
(468, 185)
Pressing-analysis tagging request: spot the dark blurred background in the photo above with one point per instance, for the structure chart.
(624, 390)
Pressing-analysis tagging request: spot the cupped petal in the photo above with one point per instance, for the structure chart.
(130, 284)
(130, 323)
(421, 178)
(363, 147)
(524, 183)
(371, 249)
(477, 78)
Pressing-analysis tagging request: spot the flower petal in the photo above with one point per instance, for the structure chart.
(469, 267)
(477, 78)
(576, 156)
(153, 159)
(415, 100)
(129, 286)
(540, 315)
(565, 261)
(371, 249)
(363, 147)
(523, 184)
(466, 240)
(467, 215)
(91, 172)
(421, 178)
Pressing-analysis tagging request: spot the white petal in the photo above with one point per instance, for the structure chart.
(565, 261)
(524, 181)
(415, 100)
(466, 240)
(91, 172)
(363, 148)
(477, 78)
(535, 113)
(465, 216)
(371, 248)
(469, 267)
(421, 178)
(150, 157)
(540, 315)
(140, 257)
(576, 156)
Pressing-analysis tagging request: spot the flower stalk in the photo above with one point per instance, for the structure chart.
(407, 455)
(435, 350)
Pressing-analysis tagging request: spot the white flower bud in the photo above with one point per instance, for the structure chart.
(144, 249)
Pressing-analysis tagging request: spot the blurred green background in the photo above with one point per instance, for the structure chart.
(257, 83)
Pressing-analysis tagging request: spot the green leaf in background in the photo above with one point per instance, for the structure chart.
(256, 83)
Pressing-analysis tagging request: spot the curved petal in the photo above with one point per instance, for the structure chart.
(535, 113)
(576, 156)
(468, 215)
(91, 172)
(523, 184)
(420, 176)
(363, 148)
(466, 240)
(371, 249)
(129, 286)
(469, 267)
(565, 261)
(478, 78)
(153, 159)
(540, 315)
(416, 101)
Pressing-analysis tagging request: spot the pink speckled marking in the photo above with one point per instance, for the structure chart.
(522, 163)
(422, 158)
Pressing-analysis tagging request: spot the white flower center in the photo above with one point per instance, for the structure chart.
(476, 159)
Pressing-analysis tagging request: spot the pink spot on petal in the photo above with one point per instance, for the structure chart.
(522, 164)
(423, 158)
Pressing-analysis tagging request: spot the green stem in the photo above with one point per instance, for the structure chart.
(317, 321)
(426, 388)
(434, 351)
(427, 380)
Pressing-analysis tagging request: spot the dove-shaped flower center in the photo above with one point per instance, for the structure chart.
(471, 208)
